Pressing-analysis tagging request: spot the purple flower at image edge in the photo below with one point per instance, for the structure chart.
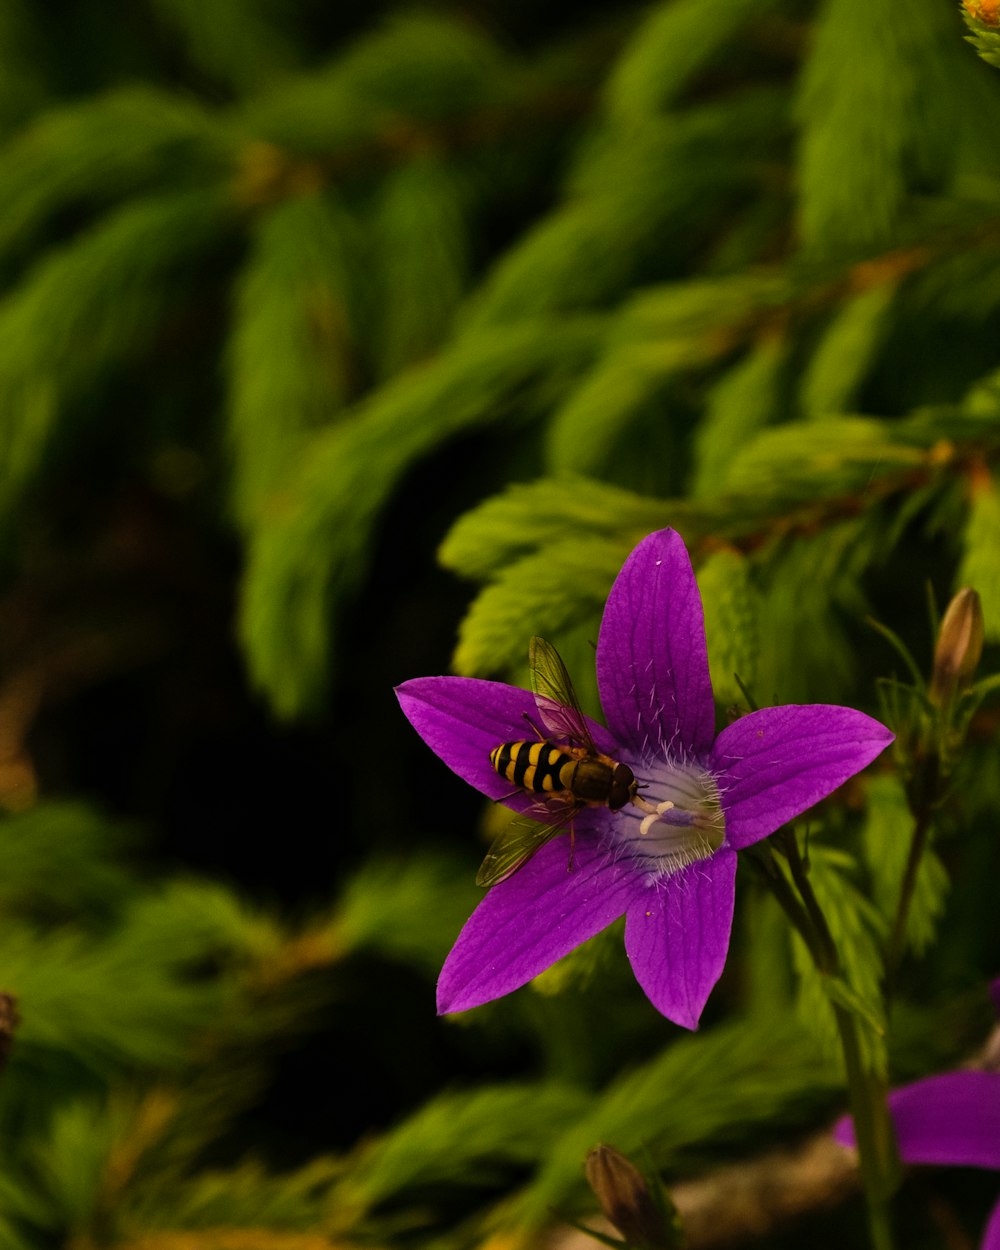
(672, 875)
(951, 1119)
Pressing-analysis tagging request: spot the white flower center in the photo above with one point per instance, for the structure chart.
(682, 822)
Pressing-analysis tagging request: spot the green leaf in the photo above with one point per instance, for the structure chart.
(980, 564)
(965, 286)
(627, 382)
(71, 1161)
(415, 67)
(99, 150)
(23, 85)
(136, 994)
(703, 306)
(236, 41)
(546, 593)
(248, 1197)
(305, 561)
(730, 602)
(866, 146)
(840, 455)
(846, 351)
(670, 46)
(858, 932)
(583, 965)
(838, 991)
(420, 250)
(102, 1003)
(808, 591)
(660, 336)
(748, 397)
(530, 517)
(465, 1138)
(720, 1086)
(87, 307)
(984, 38)
(623, 217)
(291, 358)
(408, 910)
(91, 881)
(580, 257)
(887, 834)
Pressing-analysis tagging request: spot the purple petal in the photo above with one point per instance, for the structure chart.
(775, 763)
(652, 664)
(677, 936)
(991, 1234)
(463, 718)
(953, 1118)
(536, 916)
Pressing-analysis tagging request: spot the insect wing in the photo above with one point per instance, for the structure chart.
(516, 845)
(555, 698)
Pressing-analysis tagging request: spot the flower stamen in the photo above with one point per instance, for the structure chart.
(650, 820)
(676, 831)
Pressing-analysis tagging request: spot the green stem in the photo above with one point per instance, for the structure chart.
(873, 1130)
(897, 937)
(777, 883)
(829, 962)
(924, 798)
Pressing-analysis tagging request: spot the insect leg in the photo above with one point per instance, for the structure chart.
(538, 733)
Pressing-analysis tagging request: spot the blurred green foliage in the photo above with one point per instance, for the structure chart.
(297, 301)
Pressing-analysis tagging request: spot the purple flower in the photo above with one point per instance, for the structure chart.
(672, 875)
(953, 1119)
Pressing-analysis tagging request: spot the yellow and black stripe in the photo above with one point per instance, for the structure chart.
(535, 766)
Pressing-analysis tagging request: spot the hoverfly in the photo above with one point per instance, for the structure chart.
(563, 767)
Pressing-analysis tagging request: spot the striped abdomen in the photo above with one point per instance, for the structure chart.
(574, 775)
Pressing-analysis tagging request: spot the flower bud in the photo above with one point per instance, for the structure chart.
(626, 1200)
(985, 11)
(959, 646)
